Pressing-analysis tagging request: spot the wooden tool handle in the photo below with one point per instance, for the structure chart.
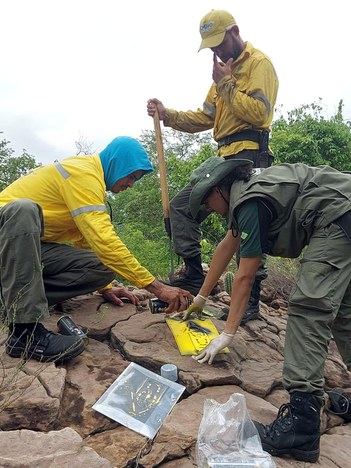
(162, 166)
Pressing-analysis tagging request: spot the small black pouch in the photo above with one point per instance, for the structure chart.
(345, 223)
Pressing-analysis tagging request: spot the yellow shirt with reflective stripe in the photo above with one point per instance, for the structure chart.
(72, 196)
(240, 101)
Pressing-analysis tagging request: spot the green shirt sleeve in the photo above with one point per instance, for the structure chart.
(253, 219)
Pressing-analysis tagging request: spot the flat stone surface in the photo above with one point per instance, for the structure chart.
(30, 395)
(62, 448)
(52, 405)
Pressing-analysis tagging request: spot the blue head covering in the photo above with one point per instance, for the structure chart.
(121, 157)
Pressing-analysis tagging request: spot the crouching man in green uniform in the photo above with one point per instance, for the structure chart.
(280, 212)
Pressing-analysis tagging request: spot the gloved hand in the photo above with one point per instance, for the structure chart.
(195, 308)
(216, 345)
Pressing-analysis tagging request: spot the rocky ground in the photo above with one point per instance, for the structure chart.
(46, 414)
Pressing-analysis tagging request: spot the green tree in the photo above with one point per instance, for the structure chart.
(307, 136)
(12, 167)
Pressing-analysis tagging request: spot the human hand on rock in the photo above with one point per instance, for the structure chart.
(216, 346)
(116, 293)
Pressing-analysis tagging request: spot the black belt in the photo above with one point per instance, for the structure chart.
(249, 135)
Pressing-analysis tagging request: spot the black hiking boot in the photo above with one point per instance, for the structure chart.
(193, 285)
(192, 278)
(340, 403)
(295, 431)
(253, 308)
(43, 345)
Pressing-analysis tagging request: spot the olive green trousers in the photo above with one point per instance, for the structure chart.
(35, 274)
(319, 309)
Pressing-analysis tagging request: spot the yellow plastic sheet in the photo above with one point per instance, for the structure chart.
(189, 340)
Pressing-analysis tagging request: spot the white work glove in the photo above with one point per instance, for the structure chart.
(195, 308)
(215, 346)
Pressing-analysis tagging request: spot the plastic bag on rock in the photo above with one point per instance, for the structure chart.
(228, 438)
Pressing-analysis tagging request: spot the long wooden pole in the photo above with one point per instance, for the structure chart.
(163, 175)
(164, 188)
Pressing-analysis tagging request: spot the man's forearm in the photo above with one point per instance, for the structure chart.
(154, 287)
(241, 291)
(238, 303)
(190, 121)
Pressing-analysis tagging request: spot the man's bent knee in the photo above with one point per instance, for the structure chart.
(24, 213)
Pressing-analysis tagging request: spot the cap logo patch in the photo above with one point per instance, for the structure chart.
(206, 27)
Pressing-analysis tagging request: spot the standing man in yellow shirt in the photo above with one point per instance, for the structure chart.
(239, 107)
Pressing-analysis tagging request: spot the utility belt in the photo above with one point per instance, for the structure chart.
(264, 157)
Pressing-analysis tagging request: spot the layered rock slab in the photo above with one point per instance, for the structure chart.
(27, 449)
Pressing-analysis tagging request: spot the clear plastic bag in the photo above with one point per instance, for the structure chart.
(139, 399)
(228, 438)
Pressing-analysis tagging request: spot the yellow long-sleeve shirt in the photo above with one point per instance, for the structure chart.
(240, 101)
(72, 196)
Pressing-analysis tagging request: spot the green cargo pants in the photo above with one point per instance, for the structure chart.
(34, 274)
(319, 308)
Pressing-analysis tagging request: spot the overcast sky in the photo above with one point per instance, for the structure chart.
(72, 68)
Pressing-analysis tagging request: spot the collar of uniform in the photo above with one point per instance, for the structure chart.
(245, 54)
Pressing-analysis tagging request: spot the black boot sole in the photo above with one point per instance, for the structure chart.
(310, 456)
